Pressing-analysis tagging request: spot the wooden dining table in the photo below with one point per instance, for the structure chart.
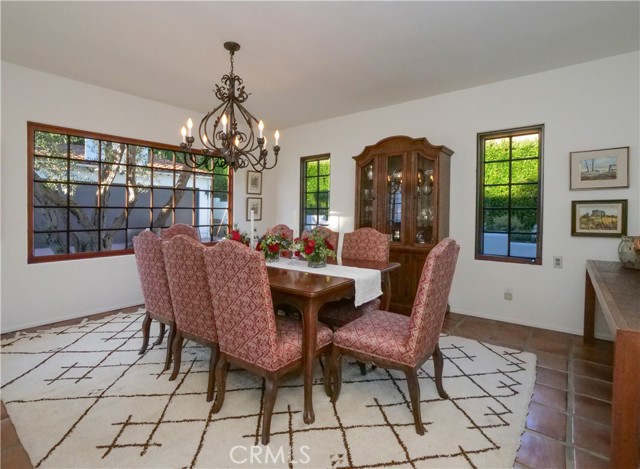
(308, 292)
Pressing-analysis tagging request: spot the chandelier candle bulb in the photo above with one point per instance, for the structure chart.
(277, 135)
(261, 128)
(224, 123)
(183, 132)
(189, 127)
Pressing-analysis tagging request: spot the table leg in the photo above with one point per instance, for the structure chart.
(625, 405)
(589, 309)
(310, 322)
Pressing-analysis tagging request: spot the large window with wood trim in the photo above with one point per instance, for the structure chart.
(509, 199)
(90, 194)
(315, 174)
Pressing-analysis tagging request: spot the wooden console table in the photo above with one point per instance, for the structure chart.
(617, 290)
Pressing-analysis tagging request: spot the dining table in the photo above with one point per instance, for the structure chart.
(308, 292)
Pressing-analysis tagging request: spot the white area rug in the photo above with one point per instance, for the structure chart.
(81, 396)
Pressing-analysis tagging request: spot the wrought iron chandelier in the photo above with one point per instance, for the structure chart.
(227, 132)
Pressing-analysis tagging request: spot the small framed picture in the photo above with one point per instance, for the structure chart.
(599, 169)
(254, 204)
(254, 182)
(599, 218)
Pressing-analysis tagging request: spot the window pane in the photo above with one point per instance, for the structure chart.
(323, 200)
(113, 218)
(50, 144)
(139, 197)
(162, 159)
(162, 218)
(496, 196)
(219, 232)
(221, 183)
(80, 171)
(140, 156)
(496, 149)
(496, 220)
(221, 199)
(49, 219)
(114, 196)
(522, 246)
(220, 216)
(311, 201)
(83, 241)
(113, 152)
(162, 178)
(496, 173)
(49, 194)
(50, 169)
(524, 196)
(495, 244)
(113, 239)
(183, 199)
(524, 220)
(48, 244)
(323, 183)
(525, 146)
(139, 176)
(139, 218)
(312, 168)
(83, 219)
(162, 197)
(83, 195)
(312, 184)
(184, 216)
(130, 235)
(325, 167)
(524, 171)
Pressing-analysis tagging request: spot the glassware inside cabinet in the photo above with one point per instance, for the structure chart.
(394, 198)
(367, 196)
(424, 201)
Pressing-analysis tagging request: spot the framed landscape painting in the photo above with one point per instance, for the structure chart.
(599, 169)
(599, 218)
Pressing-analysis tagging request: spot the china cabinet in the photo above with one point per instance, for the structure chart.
(402, 189)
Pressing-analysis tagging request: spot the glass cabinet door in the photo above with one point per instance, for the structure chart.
(367, 196)
(425, 199)
(394, 202)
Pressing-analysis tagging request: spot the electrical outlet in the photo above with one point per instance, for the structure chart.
(557, 262)
(508, 294)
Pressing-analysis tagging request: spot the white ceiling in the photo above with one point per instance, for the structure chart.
(307, 61)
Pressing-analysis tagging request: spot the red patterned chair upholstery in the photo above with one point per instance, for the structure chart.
(184, 260)
(399, 342)
(282, 229)
(363, 244)
(155, 289)
(332, 237)
(250, 334)
(180, 229)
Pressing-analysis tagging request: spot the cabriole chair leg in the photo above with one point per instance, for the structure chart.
(146, 325)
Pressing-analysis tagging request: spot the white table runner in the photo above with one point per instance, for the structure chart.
(367, 281)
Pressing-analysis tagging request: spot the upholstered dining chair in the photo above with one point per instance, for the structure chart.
(250, 334)
(332, 237)
(363, 244)
(184, 261)
(283, 229)
(400, 342)
(180, 229)
(147, 248)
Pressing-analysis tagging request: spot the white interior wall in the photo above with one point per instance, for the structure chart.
(38, 294)
(584, 107)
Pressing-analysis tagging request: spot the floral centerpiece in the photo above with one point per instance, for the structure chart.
(271, 245)
(314, 248)
(239, 236)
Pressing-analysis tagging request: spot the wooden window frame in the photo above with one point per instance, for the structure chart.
(480, 186)
(303, 187)
(33, 127)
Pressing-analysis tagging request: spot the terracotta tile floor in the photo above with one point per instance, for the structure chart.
(569, 419)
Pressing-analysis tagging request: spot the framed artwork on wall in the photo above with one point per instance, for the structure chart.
(599, 218)
(254, 204)
(254, 182)
(599, 169)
